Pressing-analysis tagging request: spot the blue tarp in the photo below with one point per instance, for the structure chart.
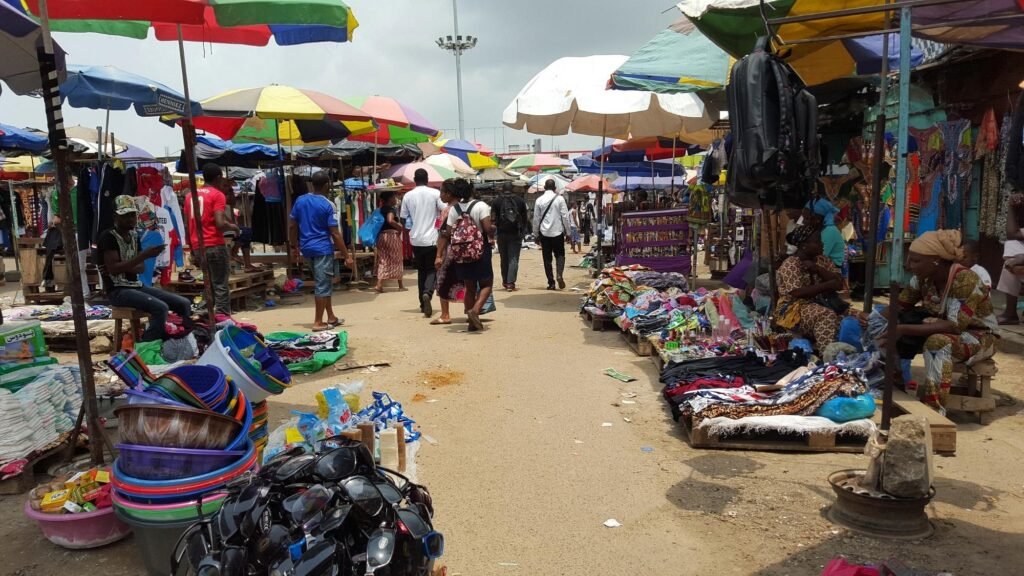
(18, 141)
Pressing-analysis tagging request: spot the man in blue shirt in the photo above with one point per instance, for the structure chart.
(314, 230)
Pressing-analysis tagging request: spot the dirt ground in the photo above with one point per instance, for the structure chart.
(524, 472)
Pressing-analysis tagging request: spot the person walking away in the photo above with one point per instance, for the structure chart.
(421, 208)
(241, 242)
(122, 264)
(213, 222)
(550, 224)
(470, 232)
(389, 244)
(448, 285)
(574, 227)
(509, 215)
(314, 230)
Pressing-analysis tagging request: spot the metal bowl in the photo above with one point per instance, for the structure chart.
(176, 427)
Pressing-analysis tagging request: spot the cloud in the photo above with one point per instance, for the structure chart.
(393, 54)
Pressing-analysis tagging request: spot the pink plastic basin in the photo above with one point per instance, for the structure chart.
(77, 531)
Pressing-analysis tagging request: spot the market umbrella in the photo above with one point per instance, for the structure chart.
(110, 88)
(20, 167)
(295, 133)
(249, 22)
(536, 162)
(87, 141)
(20, 38)
(591, 183)
(639, 149)
(451, 163)
(17, 141)
(468, 152)
(537, 182)
(735, 25)
(494, 175)
(399, 123)
(679, 59)
(404, 173)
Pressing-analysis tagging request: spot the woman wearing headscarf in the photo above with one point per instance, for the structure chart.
(959, 322)
(807, 282)
(833, 244)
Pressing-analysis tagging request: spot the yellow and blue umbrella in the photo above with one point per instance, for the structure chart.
(466, 151)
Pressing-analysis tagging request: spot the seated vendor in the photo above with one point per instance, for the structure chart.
(958, 321)
(808, 283)
(122, 264)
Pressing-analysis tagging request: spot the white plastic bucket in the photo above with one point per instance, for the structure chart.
(217, 355)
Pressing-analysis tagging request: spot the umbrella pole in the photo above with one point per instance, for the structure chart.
(106, 132)
(672, 180)
(59, 148)
(600, 203)
(189, 131)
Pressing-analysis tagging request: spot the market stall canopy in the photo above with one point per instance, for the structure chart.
(86, 142)
(361, 153)
(735, 25)
(640, 149)
(135, 153)
(572, 94)
(21, 165)
(19, 39)
(452, 164)
(679, 59)
(404, 173)
(218, 21)
(227, 153)
(398, 123)
(18, 141)
(535, 162)
(588, 165)
(589, 183)
(110, 88)
(648, 183)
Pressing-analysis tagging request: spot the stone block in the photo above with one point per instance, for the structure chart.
(907, 469)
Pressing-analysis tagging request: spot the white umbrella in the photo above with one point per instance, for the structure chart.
(537, 182)
(450, 162)
(572, 94)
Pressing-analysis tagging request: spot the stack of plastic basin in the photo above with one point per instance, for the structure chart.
(249, 362)
(259, 433)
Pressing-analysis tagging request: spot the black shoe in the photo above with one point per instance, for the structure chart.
(561, 284)
(425, 306)
(551, 286)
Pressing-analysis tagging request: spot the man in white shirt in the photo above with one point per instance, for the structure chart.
(421, 208)
(550, 225)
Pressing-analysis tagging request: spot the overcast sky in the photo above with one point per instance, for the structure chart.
(394, 54)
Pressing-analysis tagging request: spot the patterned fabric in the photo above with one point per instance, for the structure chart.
(959, 155)
(812, 319)
(1002, 203)
(968, 307)
(389, 255)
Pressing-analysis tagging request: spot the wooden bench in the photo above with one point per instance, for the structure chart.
(119, 314)
(974, 392)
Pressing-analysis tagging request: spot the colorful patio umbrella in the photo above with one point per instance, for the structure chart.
(538, 181)
(494, 175)
(679, 59)
(451, 163)
(639, 149)
(398, 123)
(226, 114)
(250, 22)
(589, 183)
(468, 152)
(404, 173)
(17, 141)
(735, 25)
(535, 162)
(19, 39)
(20, 164)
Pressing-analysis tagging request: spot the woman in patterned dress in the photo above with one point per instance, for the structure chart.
(389, 243)
(448, 286)
(960, 323)
(801, 279)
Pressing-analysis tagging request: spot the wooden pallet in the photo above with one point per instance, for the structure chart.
(640, 345)
(597, 322)
(773, 441)
(38, 462)
(236, 282)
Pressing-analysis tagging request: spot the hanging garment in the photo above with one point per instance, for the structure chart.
(929, 220)
(1005, 189)
(271, 186)
(956, 139)
(929, 146)
(149, 239)
(170, 202)
(913, 216)
(111, 186)
(1015, 149)
(150, 183)
(165, 227)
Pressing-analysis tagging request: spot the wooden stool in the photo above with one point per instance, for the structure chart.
(134, 317)
(974, 392)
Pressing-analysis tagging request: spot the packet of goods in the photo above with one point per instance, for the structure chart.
(618, 375)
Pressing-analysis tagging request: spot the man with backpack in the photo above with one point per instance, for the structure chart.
(421, 207)
(509, 214)
(550, 225)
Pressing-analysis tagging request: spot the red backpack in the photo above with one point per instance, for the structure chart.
(467, 240)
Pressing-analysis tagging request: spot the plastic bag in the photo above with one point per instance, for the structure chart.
(283, 438)
(333, 410)
(843, 409)
(840, 567)
(384, 410)
(350, 392)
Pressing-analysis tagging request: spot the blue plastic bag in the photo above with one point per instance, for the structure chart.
(844, 409)
(369, 231)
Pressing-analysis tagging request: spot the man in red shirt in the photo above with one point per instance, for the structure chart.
(213, 223)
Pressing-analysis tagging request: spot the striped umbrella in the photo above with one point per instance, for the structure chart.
(535, 162)
(226, 114)
(398, 123)
(451, 163)
(250, 22)
(404, 174)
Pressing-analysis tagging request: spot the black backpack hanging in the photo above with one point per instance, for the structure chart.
(774, 125)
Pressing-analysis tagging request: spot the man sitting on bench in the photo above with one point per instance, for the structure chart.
(122, 264)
